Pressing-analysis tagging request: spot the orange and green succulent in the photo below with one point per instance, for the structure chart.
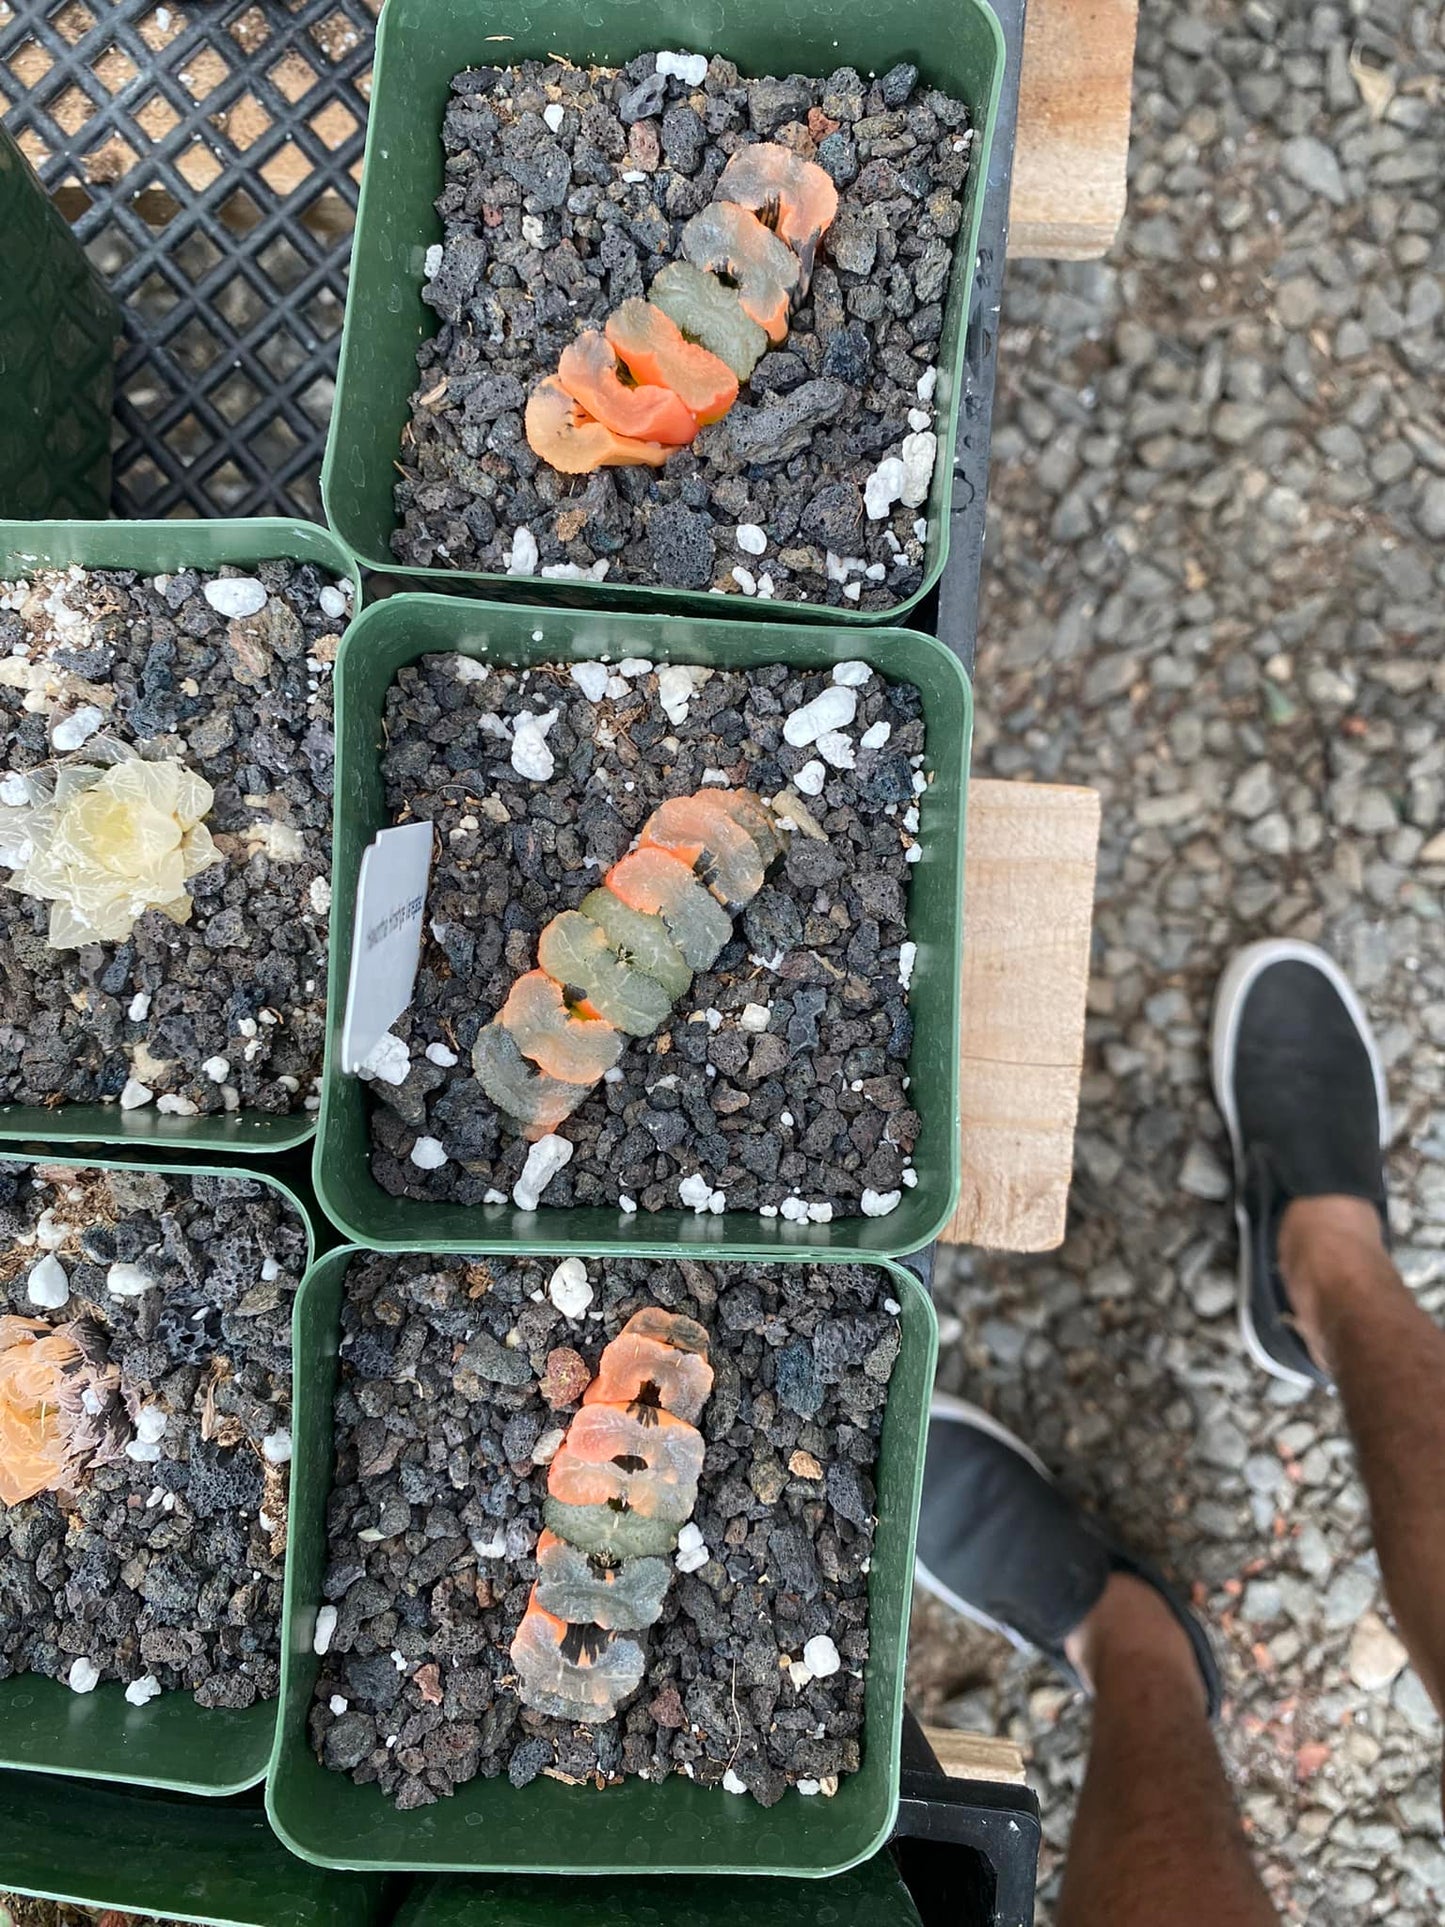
(622, 1484)
(660, 369)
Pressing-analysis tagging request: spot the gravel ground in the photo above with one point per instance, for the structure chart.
(164, 1569)
(448, 1368)
(1214, 592)
(779, 1077)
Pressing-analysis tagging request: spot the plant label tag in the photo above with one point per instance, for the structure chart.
(386, 937)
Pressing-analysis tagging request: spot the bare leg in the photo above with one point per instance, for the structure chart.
(1156, 1838)
(1388, 1359)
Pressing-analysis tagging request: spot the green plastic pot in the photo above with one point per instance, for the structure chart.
(872, 1895)
(170, 1742)
(157, 548)
(489, 1826)
(58, 332)
(421, 44)
(218, 1865)
(403, 628)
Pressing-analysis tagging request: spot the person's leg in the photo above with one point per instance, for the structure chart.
(1156, 1837)
(1388, 1360)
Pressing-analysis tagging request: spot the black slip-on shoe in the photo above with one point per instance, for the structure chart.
(1000, 1543)
(1299, 1080)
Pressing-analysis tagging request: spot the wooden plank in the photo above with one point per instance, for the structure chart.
(976, 1756)
(1028, 915)
(1070, 158)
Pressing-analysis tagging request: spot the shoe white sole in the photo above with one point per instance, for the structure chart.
(945, 1406)
(1229, 999)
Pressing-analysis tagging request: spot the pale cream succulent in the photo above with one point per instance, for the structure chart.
(103, 846)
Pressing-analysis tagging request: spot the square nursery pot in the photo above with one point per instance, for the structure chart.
(872, 1895)
(170, 1742)
(154, 548)
(403, 628)
(147, 1853)
(421, 44)
(489, 1826)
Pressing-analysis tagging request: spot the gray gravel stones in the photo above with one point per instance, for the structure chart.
(246, 704)
(547, 231)
(166, 1568)
(809, 1110)
(436, 1509)
(1168, 613)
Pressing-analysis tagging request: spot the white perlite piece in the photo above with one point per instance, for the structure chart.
(699, 1195)
(150, 1425)
(325, 1631)
(750, 538)
(147, 1687)
(139, 1007)
(811, 776)
(693, 1560)
(907, 957)
(530, 755)
(547, 1157)
(388, 1060)
(523, 555)
(548, 1446)
(77, 728)
(468, 669)
(592, 679)
(691, 69)
(883, 487)
(851, 675)
(432, 260)
(919, 418)
(836, 748)
(217, 1069)
(745, 579)
(427, 1154)
(677, 684)
(877, 1204)
(920, 452)
(689, 1536)
(47, 1285)
(553, 114)
(134, 1094)
(754, 1017)
(276, 1447)
(127, 1281)
(174, 1105)
(820, 1656)
(14, 791)
(731, 1783)
(236, 596)
(339, 1704)
(875, 736)
(335, 601)
(84, 1676)
(927, 382)
(568, 1288)
(318, 894)
(834, 709)
(440, 1055)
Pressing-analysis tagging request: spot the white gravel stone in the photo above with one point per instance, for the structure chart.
(217, 1069)
(334, 600)
(150, 1424)
(877, 1204)
(554, 114)
(731, 1783)
(745, 579)
(836, 748)
(427, 1154)
(48, 1286)
(531, 757)
(689, 1536)
(127, 1281)
(388, 1060)
(325, 1631)
(907, 957)
(755, 1017)
(142, 1690)
(875, 736)
(677, 684)
(927, 382)
(545, 1159)
(134, 1094)
(883, 487)
(750, 538)
(139, 1007)
(692, 1561)
(441, 1055)
(172, 1104)
(833, 709)
(1376, 1656)
(523, 555)
(568, 1288)
(820, 1656)
(236, 596)
(276, 1447)
(14, 791)
(591, 678)
(84, 1675)
(852, 675)
(318, 894)
(76, 728)
(338, 1704)
(920, 452)
(691, 69)
(695, 1191)
(811, 777)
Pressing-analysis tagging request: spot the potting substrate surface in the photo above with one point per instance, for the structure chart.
(458, 1381)
(161, 1566)
(228, 675)
(567, 191)
(778, 1083)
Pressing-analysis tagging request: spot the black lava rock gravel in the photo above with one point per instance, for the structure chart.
(436, 1508)
(548, 229)
(167, 1569)
(246, 704)
(812, 1107)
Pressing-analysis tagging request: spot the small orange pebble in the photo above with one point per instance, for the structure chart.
(655, 349)
(574, 1048)
(724, 235)
(652, 411)
(570, 441)
(794, 197)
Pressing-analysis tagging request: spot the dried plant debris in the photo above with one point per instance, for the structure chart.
(714, 862)
(798, 233)
(730, 1646)
(165, 836)
(143, 1512)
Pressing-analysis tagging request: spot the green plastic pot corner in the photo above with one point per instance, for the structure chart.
(403, 628)
(155, 548)
(489, 1826)
(957, 45)
(170, 1742)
